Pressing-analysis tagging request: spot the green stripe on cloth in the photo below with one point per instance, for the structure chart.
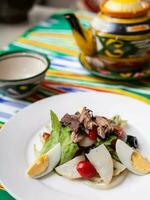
(4, 195)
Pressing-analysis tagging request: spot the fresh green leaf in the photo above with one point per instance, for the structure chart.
(98, 142)
(68, 152)
(118, 121)
(107, 141)
(110, 140)
(55, 122)
(65, 136)
(68, 148)
(62, 135)
(55, 133)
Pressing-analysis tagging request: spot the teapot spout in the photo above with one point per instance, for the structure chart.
(83, 37)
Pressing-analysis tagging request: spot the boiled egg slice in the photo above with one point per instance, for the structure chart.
(44, 164)
(102, 161)
(132, 159)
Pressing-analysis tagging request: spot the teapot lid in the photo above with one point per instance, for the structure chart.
(125, 8)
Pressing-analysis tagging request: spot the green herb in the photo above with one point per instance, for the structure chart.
(98, 142)
(118, 121)
(107, 141)
(113, 153)
(68, 148)
(55, 133)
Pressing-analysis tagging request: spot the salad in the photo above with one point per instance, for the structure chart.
(85, 146)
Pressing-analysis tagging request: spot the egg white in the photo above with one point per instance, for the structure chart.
(124, 153)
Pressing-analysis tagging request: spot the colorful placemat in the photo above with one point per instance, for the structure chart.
(53, 37)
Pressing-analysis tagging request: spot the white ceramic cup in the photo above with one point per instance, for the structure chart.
(22, 72)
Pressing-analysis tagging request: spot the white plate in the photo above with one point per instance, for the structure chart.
(16, 137)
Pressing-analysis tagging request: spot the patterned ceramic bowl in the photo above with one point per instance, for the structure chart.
(21, 73)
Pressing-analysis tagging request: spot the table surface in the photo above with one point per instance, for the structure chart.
(9, 32)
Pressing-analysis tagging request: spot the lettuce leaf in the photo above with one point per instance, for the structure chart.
(55, 133)
(67, 146)
(63, 135)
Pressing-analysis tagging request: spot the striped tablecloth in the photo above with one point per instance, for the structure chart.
(53, 37)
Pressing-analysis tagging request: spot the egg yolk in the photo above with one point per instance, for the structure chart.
(38, 167)
(140, 163)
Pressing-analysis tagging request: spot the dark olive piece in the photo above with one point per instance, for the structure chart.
(132, 141)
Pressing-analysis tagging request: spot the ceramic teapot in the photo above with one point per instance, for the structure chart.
(119, 36)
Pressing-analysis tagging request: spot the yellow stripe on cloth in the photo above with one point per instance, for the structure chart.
(125, 93)
(48, 46)
(78, 77)
(88, 84)
(135, 96)
(55, 35)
